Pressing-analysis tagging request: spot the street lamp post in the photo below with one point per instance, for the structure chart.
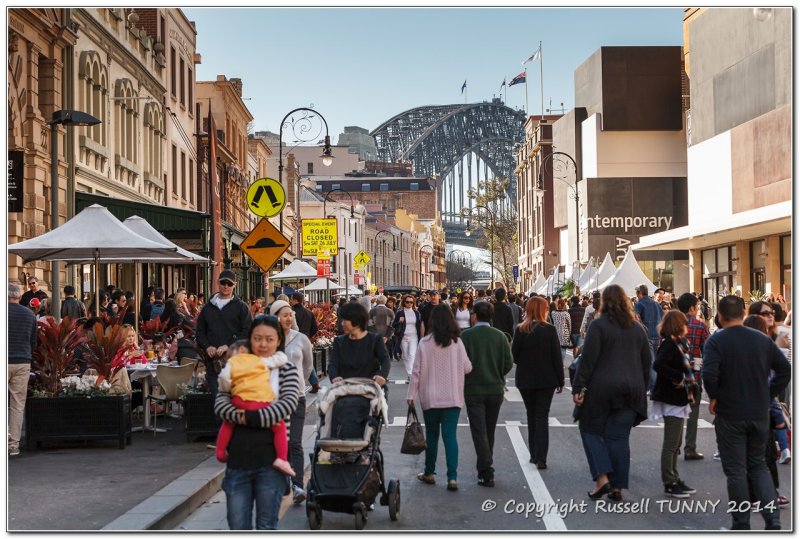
(420, 261)
(468, 212)
(301, 128)
(351, 220)
(383, 251)
(575, 195)
(67, 118)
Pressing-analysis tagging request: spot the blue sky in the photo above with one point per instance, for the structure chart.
(361, 66)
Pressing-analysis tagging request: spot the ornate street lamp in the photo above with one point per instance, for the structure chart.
(352, 219)
(560, 164)
(67, 118)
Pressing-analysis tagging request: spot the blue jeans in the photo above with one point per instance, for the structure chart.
(652, 380)
(610, 453)
(264, 486)
(741, 450)
(447, 418)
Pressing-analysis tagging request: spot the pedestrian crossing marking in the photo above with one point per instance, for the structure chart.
(400, 421)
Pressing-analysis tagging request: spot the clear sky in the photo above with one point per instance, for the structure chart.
(361, 66)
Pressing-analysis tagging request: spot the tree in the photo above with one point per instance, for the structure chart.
(500, 236)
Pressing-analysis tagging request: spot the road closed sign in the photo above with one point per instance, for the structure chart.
(320, 235)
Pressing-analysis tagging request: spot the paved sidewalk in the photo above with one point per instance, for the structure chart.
(88, 486)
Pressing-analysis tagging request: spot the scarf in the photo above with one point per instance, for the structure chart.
(688, 375)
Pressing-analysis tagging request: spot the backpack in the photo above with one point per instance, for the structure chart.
(156, 309)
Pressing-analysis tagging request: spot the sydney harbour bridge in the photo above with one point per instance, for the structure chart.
(459, 146)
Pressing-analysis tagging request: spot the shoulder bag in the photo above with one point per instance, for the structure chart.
(414, 437)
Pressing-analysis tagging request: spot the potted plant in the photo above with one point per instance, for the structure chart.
(198, 409)
(322, 341)
(64, 406)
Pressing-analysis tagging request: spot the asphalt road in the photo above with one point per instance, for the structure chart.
(525, 498)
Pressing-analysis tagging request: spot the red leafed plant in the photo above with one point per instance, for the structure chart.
(113, 320)
(326, 324)
(54, 356)
(102, 345)
(148, 329)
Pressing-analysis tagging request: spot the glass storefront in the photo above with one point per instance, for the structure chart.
(719, 268)
(758, 270)
(786, 270)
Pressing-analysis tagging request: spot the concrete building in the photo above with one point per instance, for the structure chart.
(739, 136)
(359, 141)
(413, 194)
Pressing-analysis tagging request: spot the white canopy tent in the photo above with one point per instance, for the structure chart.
(587, 274)
(537, 284)
(605, 272)
(629, 275)
(92, 234)
(321, 284)
(298, 269)
(352, 290)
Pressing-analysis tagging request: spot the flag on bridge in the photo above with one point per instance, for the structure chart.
(504, 83)
(464, 86)
(519, 79)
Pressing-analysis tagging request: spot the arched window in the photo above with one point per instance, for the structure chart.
(93, 99)
(125, 117)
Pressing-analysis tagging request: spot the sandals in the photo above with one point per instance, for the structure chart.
(430, 479)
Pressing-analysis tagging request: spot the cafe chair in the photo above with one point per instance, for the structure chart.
(173, 380)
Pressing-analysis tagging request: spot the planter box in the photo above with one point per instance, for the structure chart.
(321, 357)
(61, 419)
(198, 412)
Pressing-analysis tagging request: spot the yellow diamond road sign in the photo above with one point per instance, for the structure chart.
(266, 197)
(265, 244)
(361, 260)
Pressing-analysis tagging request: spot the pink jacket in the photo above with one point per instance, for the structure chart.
(438, 374)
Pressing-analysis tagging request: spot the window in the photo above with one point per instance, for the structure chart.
(365, 188)
(384, 187)
(310, 168)
(182, 76)
(414, 186)
(172, 70)
(786, 270)
(758, 256)
(190, 88)
(174, 169)
(191, 181)
(719, 269)
(335, 186)
(185, 191)
(319, 188)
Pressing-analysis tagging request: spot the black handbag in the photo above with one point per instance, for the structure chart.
(414, 437)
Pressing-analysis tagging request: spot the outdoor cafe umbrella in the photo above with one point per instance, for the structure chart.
(90, 235)
(298, 269)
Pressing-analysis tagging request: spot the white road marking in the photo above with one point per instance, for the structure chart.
(541, 495)
(400, 421)
(513, 394)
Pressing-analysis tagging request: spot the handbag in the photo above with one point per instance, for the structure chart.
(414, 437)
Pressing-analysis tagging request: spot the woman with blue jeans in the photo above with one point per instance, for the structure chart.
(438, 380)
(610, 391)
(249, 476)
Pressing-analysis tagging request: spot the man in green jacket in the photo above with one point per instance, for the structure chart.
(490, 355)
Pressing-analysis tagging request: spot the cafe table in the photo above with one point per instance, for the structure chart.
(146, 372)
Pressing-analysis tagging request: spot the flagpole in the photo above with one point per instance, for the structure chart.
(541, 77)
(526, 92)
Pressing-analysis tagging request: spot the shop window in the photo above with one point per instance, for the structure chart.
(414, 187)
(786, 270)
(758, 255)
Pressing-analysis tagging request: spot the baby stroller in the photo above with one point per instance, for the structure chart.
(347, 463)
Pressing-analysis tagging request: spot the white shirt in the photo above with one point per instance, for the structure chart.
(219, 302)
(411, 324)
(462, 318)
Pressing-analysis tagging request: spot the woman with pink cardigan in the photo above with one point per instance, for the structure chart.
(438, 379)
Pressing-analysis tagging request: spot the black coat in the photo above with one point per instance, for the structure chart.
(669, 368)
(614, 369)
(538, 358)
(306, 321)
(503, 318)
(217, 327)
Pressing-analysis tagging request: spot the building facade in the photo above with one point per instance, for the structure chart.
(739, 118)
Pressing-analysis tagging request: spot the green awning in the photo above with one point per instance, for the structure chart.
(162, 218)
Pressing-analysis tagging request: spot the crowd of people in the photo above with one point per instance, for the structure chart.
(633, 359)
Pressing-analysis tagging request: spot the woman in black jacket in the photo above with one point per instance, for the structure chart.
(670, 396)
(610, 391)
(358, 353)
(540, 372)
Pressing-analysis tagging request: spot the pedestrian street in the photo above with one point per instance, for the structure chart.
(525, 498)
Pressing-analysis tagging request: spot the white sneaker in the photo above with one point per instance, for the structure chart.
(211, 446)
(716, 456)
(13, 452)
(786, 456)
(298, 495)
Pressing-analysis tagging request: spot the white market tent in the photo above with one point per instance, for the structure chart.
(91, 234)
(586, 276)
(540, 280)
(629, 275)
(298, 269)
(605, 272)
(322, 284)
(352, 290)
(146, 230)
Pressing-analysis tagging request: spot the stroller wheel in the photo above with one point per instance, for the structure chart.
(393, 493)
(360, 513)
(314, 514)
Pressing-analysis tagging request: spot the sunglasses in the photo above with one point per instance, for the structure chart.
(767, 313)
(226, 283)
(408, 303)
